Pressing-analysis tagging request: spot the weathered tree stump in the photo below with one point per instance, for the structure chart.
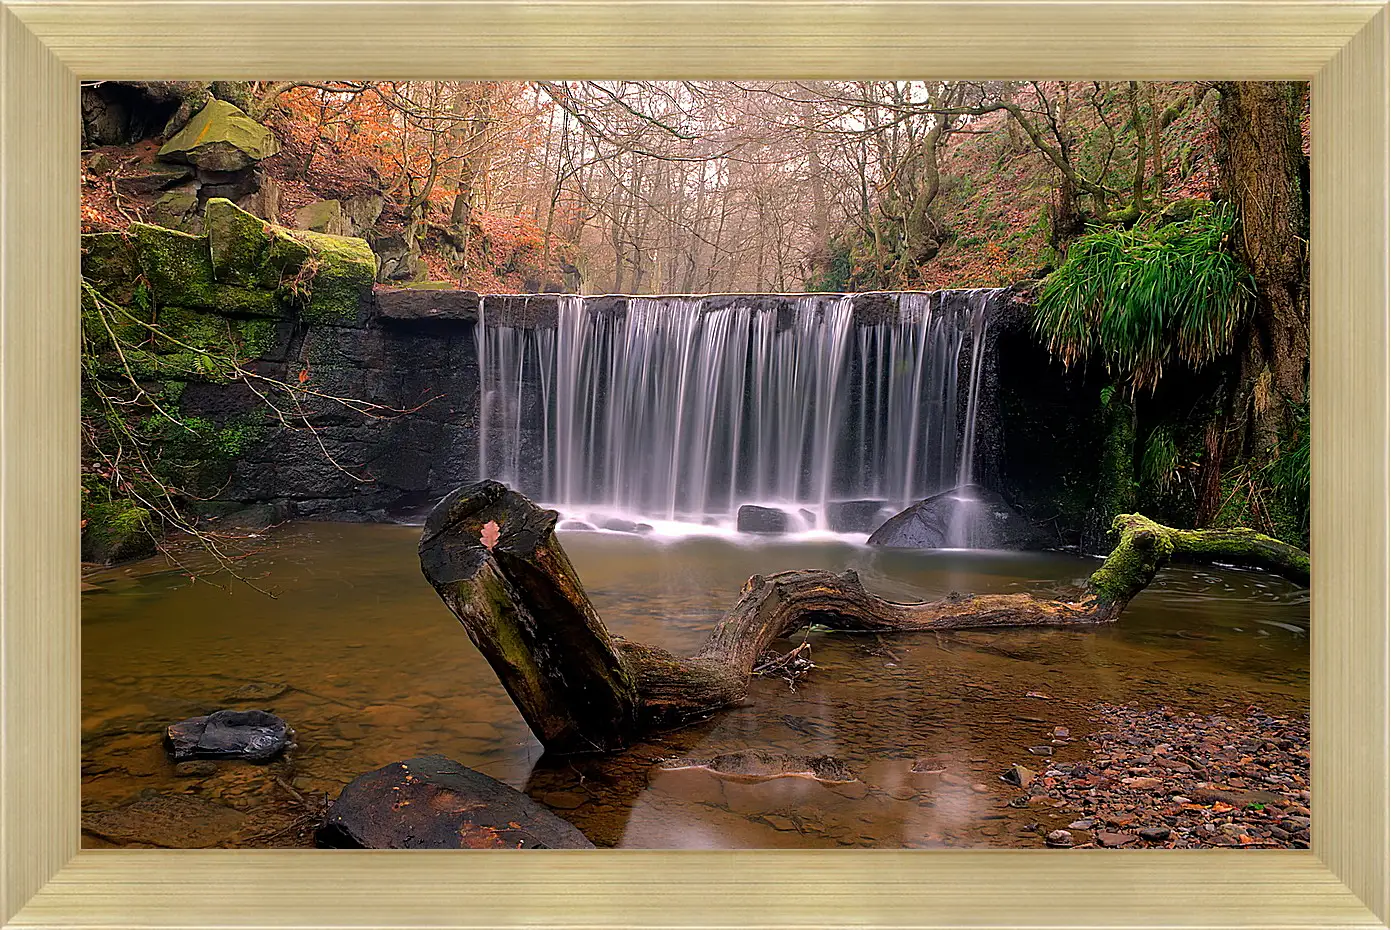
(583, 689)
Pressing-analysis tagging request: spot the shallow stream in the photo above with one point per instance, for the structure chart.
(360, 656)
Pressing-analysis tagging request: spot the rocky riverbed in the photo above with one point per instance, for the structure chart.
(1160, 778)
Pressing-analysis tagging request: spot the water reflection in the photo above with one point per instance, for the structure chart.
(377, 670)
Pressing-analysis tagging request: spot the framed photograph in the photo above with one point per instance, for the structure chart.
(784, 464)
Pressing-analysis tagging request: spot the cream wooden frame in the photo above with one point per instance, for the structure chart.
(49, 44)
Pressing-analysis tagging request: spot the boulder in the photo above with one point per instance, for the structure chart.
(768, 520)
(116, 531)
(341, 273)
(144, 180)
(248, 735)
(864, 516)
(110, 264)
(410, 303)
(361, 213)
(174, 208)
(431, 802)
(237, 242)
(325, 216)
(969, 517)
(177, 266)
(221, 138)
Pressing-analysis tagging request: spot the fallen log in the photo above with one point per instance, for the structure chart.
(493, 557)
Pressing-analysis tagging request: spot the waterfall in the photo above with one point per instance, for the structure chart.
(684, 408)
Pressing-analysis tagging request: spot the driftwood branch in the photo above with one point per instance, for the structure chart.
(583, 689)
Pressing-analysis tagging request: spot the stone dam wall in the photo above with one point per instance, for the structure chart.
(302, 308)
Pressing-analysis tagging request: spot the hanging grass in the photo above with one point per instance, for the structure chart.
(1141, 298)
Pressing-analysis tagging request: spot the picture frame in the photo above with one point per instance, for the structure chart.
(50, 45)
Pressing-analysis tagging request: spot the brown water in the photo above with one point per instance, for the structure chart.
(376, 670)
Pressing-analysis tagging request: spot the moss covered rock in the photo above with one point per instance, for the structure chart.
(221, 138)
(174, 208)
(238, 242)
(325, 216)
(338, 273)
(116, 531)
(178, 266)
(110, 264)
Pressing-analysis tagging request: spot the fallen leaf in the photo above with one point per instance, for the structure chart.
(303, 375)
(490, 534)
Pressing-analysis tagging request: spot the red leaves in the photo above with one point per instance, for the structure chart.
(303, 375)
(490, 534)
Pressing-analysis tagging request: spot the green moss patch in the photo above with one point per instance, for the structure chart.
(116, 531)
(238, 242)
(338, 272)
(178, 266)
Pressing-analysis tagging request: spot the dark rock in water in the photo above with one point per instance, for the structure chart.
(855, 516)
(968, 517)
(755, 519)
(249, 735)
(431, 802)
(1154, 834)
(645, 528)
(756, 765)
(578, 526)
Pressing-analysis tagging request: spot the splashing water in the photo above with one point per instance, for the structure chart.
(680, 409)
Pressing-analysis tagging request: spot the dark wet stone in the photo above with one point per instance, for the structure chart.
(249, 735)
(1154, 834)
(966, 517)
(619, 525)
(431, 802)
(755, 519)
(864, 516)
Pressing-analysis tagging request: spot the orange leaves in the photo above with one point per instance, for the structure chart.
(303, 375)
(490, 534)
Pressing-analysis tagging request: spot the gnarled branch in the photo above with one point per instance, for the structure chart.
(580, 688)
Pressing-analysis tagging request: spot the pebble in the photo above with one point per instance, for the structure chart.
(1059, 839)
(1154, 834)
(1041, 750)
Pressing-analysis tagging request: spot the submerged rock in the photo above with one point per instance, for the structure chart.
(968, 517)
(757, 765)
(431, 802)
(755, 519)
(172, 821)
(249, 735)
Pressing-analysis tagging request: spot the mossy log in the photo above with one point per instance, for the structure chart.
(582, 689)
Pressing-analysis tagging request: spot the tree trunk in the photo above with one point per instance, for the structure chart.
(582, 689)
(1260, 157)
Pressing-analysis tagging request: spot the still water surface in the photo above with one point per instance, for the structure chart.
(378, 670)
